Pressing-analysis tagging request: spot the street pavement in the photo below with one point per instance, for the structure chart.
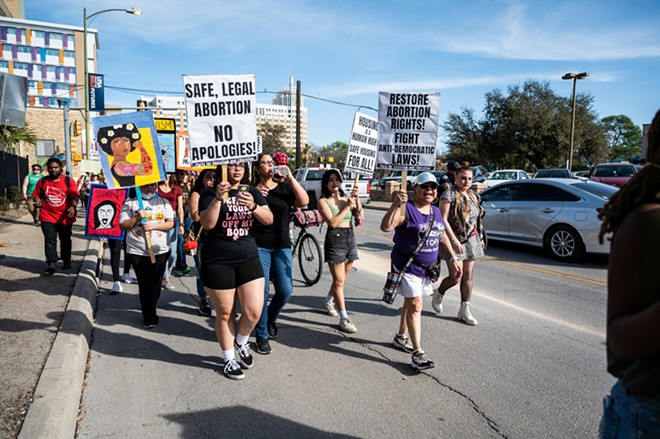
(107, 376)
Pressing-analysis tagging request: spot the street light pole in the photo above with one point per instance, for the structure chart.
(89, 18)
(574, 77)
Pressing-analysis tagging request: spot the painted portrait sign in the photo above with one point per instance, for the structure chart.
(129, 150)
(103, 210)
(166, 131)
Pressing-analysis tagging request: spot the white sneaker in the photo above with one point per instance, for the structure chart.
(346, 325)
(116, 288)
(330, 308)
(168, 285)
(127, 279)
(465, 314)
(436, 302)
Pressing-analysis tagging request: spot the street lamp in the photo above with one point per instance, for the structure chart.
(88, 19)
(574, 77)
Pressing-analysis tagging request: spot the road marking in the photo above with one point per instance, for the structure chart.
(541, 316)
(556, 273)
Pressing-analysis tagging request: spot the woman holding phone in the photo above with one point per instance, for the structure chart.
(230, 262)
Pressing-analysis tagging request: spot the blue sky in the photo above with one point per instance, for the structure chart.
(348, 50)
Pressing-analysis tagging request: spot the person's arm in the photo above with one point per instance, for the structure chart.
(74, 197)
(444, 206)
(633, 276)
(449, 251)
(393, 217)
(193, 206)
(326, 213)
(302, 198)
(25, 186)
(357, 211)
(179, 213)
(209, 216)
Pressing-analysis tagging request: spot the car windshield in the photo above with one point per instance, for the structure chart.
(503, 176)
(601, 190)
(552, 173)
(315, 175)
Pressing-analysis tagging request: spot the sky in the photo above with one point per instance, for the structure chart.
(347, 51)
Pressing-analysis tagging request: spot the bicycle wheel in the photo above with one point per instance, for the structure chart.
(310, 259)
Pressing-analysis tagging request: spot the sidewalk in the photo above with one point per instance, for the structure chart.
(43, 334)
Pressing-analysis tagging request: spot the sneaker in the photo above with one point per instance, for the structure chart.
(37, 223)
(168, 285)
(245, 354)
(233, 371)
(127, 279)
(151, 324)
(347, 326)
(421, 362)
(50, 269)
(330, 308)
(263, 346)
(272, 330)
(465, 314)
(204, 308)
(116, 288)
(436, 302)
(186, 271)
(403, 342)
(66, 265)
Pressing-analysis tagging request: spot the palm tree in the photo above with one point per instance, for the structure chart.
(10, 136)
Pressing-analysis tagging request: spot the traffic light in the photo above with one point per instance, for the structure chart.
(73, 145)
(77, 128)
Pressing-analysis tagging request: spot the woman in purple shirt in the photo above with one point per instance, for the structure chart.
(416, 281)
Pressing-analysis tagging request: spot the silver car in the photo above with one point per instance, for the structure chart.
(559, 214)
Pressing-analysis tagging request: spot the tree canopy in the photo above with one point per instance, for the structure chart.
(624, 138)
(10, 137)
(271, 137)
(528, 127)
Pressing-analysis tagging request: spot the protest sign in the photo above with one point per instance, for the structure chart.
(407, 130)
(362, 146)
(166, 132)
(222, 118)
(103, 210)
(129, 150)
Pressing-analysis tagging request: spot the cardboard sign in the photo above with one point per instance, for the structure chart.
(362, 146)
(222, 118)
(128, 145)
(166, 132)
(407, 130)
(103, 209)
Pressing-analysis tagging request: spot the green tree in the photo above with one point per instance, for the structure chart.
(271, 137)
(11, 136)
(528, 127)
(624, 138)
(337, 150)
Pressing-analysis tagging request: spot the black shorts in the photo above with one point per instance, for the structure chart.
(230, 276)
(340, 245)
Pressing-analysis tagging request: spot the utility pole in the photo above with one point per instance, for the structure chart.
(297, 124)
(67, 137)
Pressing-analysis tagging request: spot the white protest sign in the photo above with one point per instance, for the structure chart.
(222, 118)
(362, 146)
(407, 130)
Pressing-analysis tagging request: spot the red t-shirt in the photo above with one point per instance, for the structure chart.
(56, 199)
(171, 196)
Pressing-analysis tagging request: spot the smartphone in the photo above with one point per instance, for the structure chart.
(243, 188)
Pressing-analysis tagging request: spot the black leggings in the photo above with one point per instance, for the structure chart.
(149, 277)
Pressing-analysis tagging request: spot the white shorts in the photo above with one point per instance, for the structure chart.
(413, 286)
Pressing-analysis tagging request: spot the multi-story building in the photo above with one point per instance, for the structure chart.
(51, 57)
(282, 111)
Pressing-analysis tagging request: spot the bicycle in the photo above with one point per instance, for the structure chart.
(310, 259)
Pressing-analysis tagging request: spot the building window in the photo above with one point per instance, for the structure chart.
(4, 64)
(45, 148)
(20, 66)
(52, 52)
(69, 54)
(39, 34)
(11, 31)
(50, 69)
(54, 36)
(24, 49)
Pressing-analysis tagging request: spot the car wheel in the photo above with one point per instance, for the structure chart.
(564, 244)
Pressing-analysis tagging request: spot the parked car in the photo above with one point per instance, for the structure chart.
(558, 214)
(503, 175)
(616, 174)
(553, 173)
(395, 176)
(310, 180)
(582, 174)
(479, 174)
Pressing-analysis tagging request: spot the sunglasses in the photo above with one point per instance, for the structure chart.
(429, 185)
(36, 169)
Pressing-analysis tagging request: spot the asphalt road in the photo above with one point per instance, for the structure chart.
(533, 367)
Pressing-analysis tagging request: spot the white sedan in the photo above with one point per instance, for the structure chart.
(503, 175)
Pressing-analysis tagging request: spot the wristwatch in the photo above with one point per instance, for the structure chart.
(254, 207)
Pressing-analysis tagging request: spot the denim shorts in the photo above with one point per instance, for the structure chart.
(340, 245)
(628, 416)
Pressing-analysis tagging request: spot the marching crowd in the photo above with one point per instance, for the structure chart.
(241, 225)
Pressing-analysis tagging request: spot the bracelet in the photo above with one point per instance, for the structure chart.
(254, 207)
(453, 258)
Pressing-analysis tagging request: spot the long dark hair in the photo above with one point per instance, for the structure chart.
(324, 183)
(255, 169)
(199, 181)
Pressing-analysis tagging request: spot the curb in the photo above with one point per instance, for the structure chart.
(53, 412)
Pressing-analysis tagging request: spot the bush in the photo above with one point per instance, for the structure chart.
(15, 195)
